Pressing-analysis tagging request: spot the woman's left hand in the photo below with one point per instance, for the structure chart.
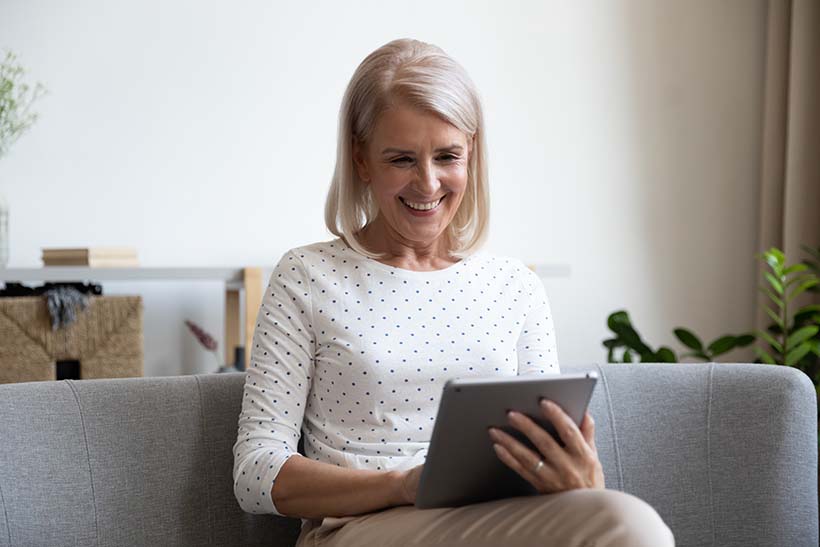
(575, 465)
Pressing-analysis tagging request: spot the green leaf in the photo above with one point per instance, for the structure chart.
(811, 308)
(722, 345)
(797, 279)
(796, 292)
(688, 339)
(633, 340)
(778, 286)
(610, 356)
(612, 343)
(800, 335)
(666, 355)
(795, 268)
(745, 340)
(627, 357)
(794, 356)
(775, 317)
(616, 319)
(765, 357)
(774, 258)
(770, 339)
(771, 296)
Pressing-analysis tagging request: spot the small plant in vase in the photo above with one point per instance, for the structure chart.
(209, 343)
(16, 98)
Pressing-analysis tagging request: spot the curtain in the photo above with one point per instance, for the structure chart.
(790, 159)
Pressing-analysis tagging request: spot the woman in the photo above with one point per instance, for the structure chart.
(356, 337)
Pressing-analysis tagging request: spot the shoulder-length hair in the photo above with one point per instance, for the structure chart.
(423, 76)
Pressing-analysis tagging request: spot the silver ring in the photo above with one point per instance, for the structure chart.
(538, 466)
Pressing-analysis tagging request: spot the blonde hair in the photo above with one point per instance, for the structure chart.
(423, 76)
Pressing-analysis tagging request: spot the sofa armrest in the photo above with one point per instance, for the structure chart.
(726, 453)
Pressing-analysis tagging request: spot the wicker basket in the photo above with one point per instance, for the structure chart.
(106, 339)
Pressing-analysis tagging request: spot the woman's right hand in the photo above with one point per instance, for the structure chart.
(409, 484)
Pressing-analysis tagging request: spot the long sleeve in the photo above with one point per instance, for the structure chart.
(537, 347)
(277, 384)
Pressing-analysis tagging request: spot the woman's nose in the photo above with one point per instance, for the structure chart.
(428, 182)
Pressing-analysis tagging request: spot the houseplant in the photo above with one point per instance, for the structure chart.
(792, 339)
(16, 98)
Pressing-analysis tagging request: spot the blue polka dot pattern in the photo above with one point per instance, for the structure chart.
(354, 354)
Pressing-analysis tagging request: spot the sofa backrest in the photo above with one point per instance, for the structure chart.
(727, 454)
(122, 462)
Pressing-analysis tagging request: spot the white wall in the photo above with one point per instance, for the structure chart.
(623, 140)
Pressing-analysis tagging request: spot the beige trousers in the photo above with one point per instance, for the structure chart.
(575, 518)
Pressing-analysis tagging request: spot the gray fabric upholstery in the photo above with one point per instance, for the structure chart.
(726, 453)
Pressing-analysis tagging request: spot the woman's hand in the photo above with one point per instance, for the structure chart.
(409, 484)
(575, 465)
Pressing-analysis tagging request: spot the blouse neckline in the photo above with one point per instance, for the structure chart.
(403, 272)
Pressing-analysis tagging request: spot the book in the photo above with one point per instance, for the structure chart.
(90, 252)
(91, 257)
(94, 262)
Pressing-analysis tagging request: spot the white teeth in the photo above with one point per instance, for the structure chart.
(422, 206)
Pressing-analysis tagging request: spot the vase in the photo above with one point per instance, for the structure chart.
(4, 231)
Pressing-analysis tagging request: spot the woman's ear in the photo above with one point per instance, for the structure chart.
(359, 162)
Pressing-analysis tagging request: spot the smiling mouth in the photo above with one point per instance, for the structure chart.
(422, 206)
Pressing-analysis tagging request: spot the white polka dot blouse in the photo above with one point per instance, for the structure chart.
(353, 354)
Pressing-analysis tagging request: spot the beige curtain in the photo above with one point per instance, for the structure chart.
(790, 168)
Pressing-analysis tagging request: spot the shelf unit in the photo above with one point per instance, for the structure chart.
(245, 283)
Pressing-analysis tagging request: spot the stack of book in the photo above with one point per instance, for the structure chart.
(94, 257)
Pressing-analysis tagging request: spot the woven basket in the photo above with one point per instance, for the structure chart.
(106, 339)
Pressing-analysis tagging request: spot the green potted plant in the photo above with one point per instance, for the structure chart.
(629, 342)
(792, 338)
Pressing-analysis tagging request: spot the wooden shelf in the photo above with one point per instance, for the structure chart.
(231, 276)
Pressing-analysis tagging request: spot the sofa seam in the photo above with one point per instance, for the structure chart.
(709, 453)
(88, 455)
(210, 457)
(614, 429)
(5, 514)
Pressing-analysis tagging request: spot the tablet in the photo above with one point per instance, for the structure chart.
(461, 465)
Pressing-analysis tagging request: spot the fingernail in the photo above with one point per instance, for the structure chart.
(511, 413)
(546, 403)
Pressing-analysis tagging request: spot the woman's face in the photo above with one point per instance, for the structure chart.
(416, 166)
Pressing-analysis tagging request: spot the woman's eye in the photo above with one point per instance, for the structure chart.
(405, 159)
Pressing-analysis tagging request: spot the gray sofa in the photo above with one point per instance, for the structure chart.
(726, 453)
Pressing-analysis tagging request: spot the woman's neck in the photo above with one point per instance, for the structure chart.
(409, 255)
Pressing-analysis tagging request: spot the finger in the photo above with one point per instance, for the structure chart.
(588, 430)
(543, 441)
(566, 428)
(518, 450)
(542, 481)
(549, 473)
